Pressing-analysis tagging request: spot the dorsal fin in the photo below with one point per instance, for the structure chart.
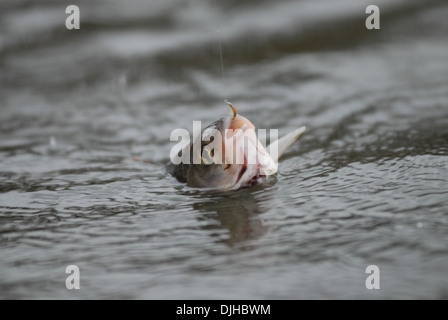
(286, 141)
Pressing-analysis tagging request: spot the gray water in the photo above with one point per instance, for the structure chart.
(367, 184)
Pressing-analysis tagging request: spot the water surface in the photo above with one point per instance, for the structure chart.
(366, 184)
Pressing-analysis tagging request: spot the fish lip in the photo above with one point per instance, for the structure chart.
(232, 109)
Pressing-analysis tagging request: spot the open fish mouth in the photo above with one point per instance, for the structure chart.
(244, 141)
(242, 153)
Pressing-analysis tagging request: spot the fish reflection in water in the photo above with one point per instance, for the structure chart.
(241, 215)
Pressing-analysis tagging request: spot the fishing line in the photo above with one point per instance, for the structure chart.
(223, 76)
(220, 55)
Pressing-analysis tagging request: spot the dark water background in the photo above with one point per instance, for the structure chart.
(366, 184)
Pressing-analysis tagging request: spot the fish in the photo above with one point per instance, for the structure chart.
(236, 159)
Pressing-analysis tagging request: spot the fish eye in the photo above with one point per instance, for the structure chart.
(210, 153)
(206, 143)
(208, 156)
(205, 156)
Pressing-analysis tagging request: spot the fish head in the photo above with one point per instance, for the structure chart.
(231, 155)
